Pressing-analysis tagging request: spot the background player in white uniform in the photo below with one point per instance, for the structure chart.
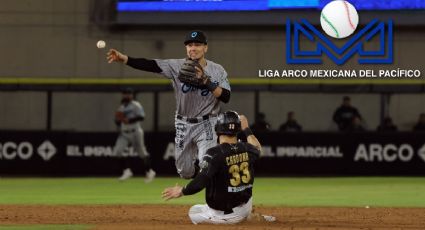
(197, 107)
(128, 116)
(227, 173)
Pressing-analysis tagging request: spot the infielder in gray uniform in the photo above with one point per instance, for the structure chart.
(128, 116)
(197, 106)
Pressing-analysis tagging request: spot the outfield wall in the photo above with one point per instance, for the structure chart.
(21, 110)
(56, 39)
(305, 154)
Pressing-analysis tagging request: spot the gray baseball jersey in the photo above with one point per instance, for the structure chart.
(131, 110)
(193, 139)
(131, 134)
(192, 101)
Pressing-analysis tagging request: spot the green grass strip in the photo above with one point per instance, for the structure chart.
(236, 81)
(280, 81)
(338, 192)
(84, 81)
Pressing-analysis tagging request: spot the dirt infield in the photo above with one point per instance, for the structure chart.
(170, 217)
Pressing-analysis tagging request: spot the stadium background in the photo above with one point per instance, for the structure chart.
(47, 41)
(56, 39)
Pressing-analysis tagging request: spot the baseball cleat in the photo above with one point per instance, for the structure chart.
(150, 175)
(126, 174)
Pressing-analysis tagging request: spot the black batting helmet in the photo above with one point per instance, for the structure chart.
(128, 90)
(228, 123)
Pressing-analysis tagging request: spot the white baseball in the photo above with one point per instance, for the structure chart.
(339, 19)
(100, 44)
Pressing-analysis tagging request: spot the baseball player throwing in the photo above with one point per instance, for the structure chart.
(128, 116)
(227, 173)
(199, 86)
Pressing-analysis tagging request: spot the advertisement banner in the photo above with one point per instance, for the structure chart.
(305, 154)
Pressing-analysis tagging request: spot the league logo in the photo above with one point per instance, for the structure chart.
(339, 20)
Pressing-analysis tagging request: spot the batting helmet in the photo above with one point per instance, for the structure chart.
(128, 90)
(228, 123)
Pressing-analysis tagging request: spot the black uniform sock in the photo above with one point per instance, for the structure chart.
(125, 163)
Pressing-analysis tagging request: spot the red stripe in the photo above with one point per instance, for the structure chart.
(348, 15)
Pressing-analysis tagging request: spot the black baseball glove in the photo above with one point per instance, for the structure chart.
(187, 74)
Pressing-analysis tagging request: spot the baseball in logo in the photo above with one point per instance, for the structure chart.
(339, 19)
(340, 38)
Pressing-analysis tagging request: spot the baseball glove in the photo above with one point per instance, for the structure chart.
(187, 73)
(120, 116)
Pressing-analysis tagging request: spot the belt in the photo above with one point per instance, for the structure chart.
(129, 131)
(195, 119)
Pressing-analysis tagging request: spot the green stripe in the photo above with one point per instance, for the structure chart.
(326, 82)
(330, 24)
(339, 191)
(45, 227)
(251, 81)
(83, 81)
(235, 81)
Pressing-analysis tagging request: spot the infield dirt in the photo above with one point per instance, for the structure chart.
(170, 217)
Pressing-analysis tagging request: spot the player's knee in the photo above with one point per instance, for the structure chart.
(195, 209)
(186, 173)
(195, 214)
(116, 152)
(196, 218)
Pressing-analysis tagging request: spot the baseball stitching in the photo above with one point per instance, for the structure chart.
(330, 24)
(348, 15)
